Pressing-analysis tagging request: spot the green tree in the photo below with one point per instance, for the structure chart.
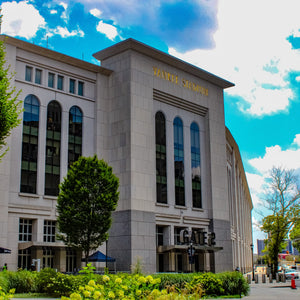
(295, 235)
(88, 195)
(9, 105)
(283, 195)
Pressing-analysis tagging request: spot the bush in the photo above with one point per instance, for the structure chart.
(210, 283)
(166, 285)
(22, 281)
(6, 295)
(121, 286)
(44, 278)
(63, 285)
(4, 282)
(177, 281)
(234, 283)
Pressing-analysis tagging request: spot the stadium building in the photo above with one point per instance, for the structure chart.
(159, 122)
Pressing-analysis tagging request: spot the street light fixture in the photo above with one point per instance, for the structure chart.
(252, 262)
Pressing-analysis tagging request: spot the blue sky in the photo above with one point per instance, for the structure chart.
(252, 43)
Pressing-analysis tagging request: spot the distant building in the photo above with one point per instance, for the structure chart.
(159, 122)
(260, 246)
(289, 249)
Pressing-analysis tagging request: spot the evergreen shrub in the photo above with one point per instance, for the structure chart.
(22, 281)
(4, 282)
(44, 278)
(234, 283)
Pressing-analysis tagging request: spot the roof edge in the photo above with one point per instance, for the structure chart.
(132, 44)
(53, 55)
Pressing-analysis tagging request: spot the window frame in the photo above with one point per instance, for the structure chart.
(53, 148)
(49, 231)
(75, 134)
(161, 158)
(71, 260)
(38, 78)
(28, 73)
(160, 235)
(72, 86)
(25, 230)
(80, 88)
(195, 164)
(60, 82)
(24, 259)
(179, 167)
(30, 143)
(52, 76)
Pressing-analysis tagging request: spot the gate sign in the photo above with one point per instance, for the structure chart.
(197, 237)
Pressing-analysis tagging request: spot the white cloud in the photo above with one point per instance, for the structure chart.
(255, 223)
(96, 12)
(297, 140)
(21, 19)
(252, 51)
(65, 33)
(64, 13)
(109, 30)
(64, 5)
(275, 156)
(256, 186)
(53, 11)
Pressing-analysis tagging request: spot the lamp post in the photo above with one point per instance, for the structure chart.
(252, 262)
(106, 254)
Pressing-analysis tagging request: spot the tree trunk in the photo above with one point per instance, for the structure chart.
(86, 257)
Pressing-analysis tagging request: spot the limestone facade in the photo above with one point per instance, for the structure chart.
(119, 104)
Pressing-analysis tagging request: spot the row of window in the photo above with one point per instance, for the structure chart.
(53, 144)
(49, 232)
(161, 161)
(54, 80)
(160, 233)
(25, 259)
(25, 230)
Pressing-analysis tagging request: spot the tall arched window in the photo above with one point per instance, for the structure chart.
(161, 158)
(52, 170)
(179, 162)
(30, 144)
(195, 160)
(75, 134)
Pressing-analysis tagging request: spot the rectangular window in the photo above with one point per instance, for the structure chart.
(159, 235)
(49, 231)
(161, 158)
(80, 88)
(177, 235)
(38, 76)
(24, 259)
(71, 259)
(51, 78)
(48, 258)
(72, 86)
(25, 230)
(60, 82)
(28, 73)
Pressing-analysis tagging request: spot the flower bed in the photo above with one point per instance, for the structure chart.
(88, 285)
(6, 296)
